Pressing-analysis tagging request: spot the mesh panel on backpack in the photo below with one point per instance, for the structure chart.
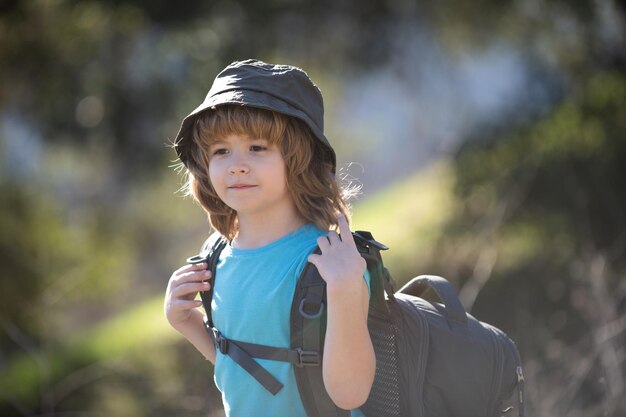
(384, 399)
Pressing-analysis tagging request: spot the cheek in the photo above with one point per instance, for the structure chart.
(214, 173)
(216, 179)
(280, 173)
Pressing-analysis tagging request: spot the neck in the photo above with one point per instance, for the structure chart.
(259, 230)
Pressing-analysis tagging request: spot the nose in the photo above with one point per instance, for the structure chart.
(240, 169)
(238, 166)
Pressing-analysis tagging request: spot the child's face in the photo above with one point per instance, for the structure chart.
(249, 175)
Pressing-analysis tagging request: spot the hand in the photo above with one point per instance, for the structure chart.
(340, 263)
(182, 289)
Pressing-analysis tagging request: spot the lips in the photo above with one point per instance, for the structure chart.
(241, 186)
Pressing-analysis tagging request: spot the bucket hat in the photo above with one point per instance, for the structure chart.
(281, 88)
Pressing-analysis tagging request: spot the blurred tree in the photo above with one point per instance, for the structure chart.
(541, 224)
(544, 210)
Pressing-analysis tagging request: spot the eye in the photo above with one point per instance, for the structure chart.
(258, 148)
(219, 151)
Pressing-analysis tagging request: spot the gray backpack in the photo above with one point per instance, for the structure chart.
(432, 358)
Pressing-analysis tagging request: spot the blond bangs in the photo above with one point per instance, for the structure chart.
(240, 120)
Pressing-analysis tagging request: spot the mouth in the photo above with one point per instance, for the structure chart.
(241, 186)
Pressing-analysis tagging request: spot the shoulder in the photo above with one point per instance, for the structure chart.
(311, 231)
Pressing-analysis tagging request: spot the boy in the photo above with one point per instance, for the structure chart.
(260, 166)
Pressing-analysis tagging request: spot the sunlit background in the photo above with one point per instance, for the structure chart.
(489, 137)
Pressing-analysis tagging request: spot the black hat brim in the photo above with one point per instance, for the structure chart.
(251, 98)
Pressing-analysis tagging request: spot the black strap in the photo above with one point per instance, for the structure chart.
(242, 354)
(381, 283)
(297, 357)
(209, 253)
(308, 321)
(308, 327)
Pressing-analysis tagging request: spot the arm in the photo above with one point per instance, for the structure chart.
(349, 362)
(181, 306)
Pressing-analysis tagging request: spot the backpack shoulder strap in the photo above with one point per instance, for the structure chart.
(209, 253)
(380, 279)
(240, 352)
(308, 327)
(308, 324)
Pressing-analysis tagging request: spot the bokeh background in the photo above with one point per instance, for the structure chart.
(489, 138)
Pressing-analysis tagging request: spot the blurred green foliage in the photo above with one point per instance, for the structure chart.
(526, 217)
(556, 197)
(409, 216)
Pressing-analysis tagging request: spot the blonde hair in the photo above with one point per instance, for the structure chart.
(311, 180)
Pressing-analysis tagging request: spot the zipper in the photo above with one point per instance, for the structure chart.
(520, 388)
(421, 359)
(496, 381)
(520, 378)
(518, 371)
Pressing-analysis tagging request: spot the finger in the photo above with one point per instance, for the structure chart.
(196, 279)
(190, 289)
(323, 243)
(185, 304)
(193, 276)
(333, 237)
(344, 228)
(313, 258)
(191, 267)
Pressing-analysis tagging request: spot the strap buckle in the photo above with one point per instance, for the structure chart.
(308, 358)
(220, 341)
(197, 259)
(308, 315)
(366, 238)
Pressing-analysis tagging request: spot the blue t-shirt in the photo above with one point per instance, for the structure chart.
(251, 303)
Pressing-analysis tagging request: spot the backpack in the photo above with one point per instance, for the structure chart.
(432, 358)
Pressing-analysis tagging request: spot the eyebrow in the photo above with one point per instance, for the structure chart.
(249, 138)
